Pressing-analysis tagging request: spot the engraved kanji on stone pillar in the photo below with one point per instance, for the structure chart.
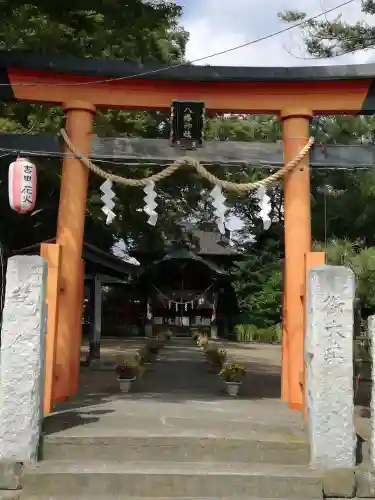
(329, 366)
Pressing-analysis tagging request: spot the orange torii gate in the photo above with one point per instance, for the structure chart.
(295, 95)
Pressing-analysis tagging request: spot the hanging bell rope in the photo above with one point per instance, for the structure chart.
(187, 161)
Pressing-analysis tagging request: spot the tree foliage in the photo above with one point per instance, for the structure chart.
(329, 38)
(146, 32)
(362, 262)
(134, 30)
(137, 31)
(257, 281)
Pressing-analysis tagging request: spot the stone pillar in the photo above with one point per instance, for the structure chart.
(371, 334)
(213, 332)
(148, 329)
(97, 320)
(329, 366)
(23, 358)
(226, 328)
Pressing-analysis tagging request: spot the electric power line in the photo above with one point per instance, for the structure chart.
(4, 152)
(178, 65)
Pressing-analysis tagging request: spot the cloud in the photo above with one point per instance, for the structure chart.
(216, 25)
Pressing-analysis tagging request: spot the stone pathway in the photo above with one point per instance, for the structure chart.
(177, 393)
(177, 435)
(181, 373)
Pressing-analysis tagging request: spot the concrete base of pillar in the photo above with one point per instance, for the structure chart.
(213, 333)
(148, 330)
(94, 350)
(95, 363)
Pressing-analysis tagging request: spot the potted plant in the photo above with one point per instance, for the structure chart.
(233, 375)
(202, 341)
(139, 356)
(139, 359)
(195, 334)
(215, 358)
(168, 335)
(153, 346)
(143, 355)
(127, 372)
(164, 336)
(160, 337)
(221, 358)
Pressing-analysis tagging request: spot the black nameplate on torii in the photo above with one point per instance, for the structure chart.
(187, 123)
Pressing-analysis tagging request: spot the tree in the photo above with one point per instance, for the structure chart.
(257, 282)
(325, 38)
(140, 31)
(134, 31)
(361, 261)
(342, 207)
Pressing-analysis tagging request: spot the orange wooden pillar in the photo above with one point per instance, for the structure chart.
(284, 350)
(78, 339)
(52, 254)
(70, 233)
(297, 217)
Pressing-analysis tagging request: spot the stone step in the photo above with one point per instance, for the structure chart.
(10, 495)
(121, 497)
(170, 479)
(267, 448)
(208, 420)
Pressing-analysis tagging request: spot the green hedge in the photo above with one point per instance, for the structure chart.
(251, 333)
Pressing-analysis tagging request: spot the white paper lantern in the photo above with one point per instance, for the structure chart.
(22, 182)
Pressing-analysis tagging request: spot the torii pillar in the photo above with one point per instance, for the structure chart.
(297, 220)
(70, 234)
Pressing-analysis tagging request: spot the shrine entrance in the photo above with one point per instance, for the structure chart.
(298, 258)
(294, 95)
(186, 293)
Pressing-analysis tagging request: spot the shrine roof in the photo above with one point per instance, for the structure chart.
(185, 72)
(177, 256)
(212, 243)
(207, 243)
(97, 260)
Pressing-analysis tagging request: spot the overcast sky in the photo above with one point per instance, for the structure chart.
(216, 25)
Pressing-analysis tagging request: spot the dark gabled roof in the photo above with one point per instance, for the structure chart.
(204, 243)
(184, 255)
(187, 72)
(212, 243)
(97, 261)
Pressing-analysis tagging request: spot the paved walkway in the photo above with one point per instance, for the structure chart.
(177, 394)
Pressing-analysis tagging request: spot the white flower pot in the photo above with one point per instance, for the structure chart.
(233, 388)
(126, 383)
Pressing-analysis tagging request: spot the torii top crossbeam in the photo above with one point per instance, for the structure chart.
(111, 84)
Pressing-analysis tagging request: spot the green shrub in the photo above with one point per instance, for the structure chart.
(251, 333)
(362, 357)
